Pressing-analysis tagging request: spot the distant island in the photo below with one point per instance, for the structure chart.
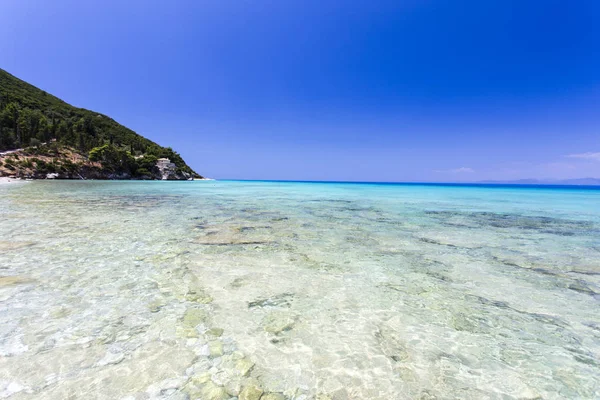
(574, 182)
(43, 137)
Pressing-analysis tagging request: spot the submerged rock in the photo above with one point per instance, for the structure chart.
(391, 344)
(277, 322)
(200, 379)
(198, 296)
(156, 305)
(202, 387)
(322, 397)
(582, 287)
(280, 300)
(187, 332)
(244, 366)
(237, 283)
(211, 391)
(194, 317)
(13, 280)
(251, 393)
(216, 332)
(216, 348)
(5, 245)
(273, 396)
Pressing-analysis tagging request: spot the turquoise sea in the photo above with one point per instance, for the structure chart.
(236, 290)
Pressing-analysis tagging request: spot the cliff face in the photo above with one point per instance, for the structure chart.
(45, 135)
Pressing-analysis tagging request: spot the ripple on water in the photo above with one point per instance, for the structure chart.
(297, 291)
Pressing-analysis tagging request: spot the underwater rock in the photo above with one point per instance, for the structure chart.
(156, 305)
(273, 396)
(244, 365)
(487, 302)
(278, 322)
(194, 317)
(201, 387)
(322, 397)
(6, 245)
(198, 296)
(470, 323)
(586, 272)
(427, 395)
(211, 391)
(216, 348)
(251, 393)
(13, 280)
(433, 241)
(438, 276)
(187, 332)
(236, 243)
(200, 379)
(391, 345)
(582, 287)
(281, 300)
(541, 224)
(407, 289)
(216, 332)
(237, 283)
(229, 237)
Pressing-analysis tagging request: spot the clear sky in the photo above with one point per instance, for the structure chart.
(404, 90)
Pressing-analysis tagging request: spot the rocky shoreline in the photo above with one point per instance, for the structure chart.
(67, 163)
(5, 180)
(92, 174)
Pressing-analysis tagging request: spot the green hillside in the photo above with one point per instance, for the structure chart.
(30, 116)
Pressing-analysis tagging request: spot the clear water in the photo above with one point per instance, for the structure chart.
(219, 290)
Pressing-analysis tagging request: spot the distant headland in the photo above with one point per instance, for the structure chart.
(574, 182)
(43, 137)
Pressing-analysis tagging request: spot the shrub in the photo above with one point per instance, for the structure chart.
(45, 167)
(147, 162)
(113, 158)
(143, 172)
(27, 163)
(69, 165)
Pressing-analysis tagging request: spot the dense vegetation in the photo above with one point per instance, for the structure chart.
(29, 117)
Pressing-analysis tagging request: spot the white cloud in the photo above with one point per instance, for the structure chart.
(460, 170)
(586, 156)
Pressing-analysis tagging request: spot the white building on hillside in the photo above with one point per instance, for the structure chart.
(165, 163)
(166, 167)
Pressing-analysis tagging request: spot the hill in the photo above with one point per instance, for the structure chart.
(51, 136)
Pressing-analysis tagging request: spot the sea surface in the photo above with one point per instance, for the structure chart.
(225, 289)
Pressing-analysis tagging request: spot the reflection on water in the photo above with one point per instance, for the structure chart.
(221, 290)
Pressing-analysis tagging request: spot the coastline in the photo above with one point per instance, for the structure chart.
(6, 180)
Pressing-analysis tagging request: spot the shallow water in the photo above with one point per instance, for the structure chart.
(214, 290)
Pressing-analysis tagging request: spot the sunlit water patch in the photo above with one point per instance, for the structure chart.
(257, 290)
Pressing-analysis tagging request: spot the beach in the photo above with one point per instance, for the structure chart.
(284, 290)
(6, 180)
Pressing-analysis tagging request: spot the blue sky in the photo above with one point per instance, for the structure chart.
(330, 90)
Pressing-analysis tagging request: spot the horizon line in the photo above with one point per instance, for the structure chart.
(432, 183)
